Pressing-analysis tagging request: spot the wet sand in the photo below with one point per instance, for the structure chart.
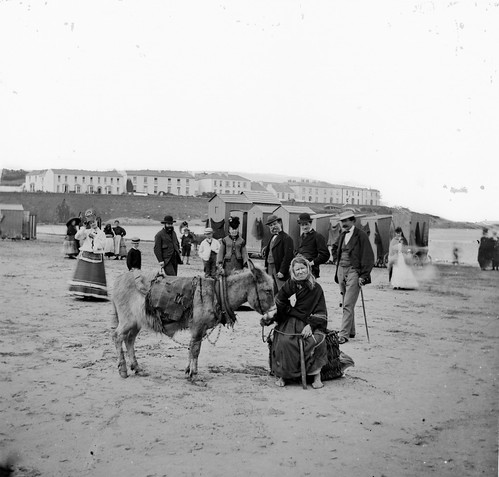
(421, 399)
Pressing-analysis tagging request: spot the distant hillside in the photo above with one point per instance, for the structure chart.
(11, 177)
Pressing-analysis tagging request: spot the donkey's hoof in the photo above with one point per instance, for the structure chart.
(122, 370)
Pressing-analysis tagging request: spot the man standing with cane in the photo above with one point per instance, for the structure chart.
(354, 262)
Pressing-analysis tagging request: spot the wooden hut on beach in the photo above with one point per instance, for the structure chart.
(17, 223)
(223, 206)
(289, 215)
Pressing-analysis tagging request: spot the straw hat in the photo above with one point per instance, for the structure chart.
(347, 214)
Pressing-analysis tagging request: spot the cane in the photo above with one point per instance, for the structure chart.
(365, 317)
(302, 363)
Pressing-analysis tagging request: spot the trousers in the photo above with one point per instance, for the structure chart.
(348, 280)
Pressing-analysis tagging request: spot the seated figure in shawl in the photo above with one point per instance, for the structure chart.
(301, 314)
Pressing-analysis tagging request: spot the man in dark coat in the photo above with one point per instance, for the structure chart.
(354, 262)
(311, 244)
(166, 247)
(278, 253)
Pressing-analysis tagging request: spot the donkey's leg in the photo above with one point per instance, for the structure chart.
(194, 349)
(118, 342)
(130, 347)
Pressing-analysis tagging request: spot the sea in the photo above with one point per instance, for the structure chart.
(441, 242)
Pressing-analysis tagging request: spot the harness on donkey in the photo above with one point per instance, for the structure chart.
(170, 301)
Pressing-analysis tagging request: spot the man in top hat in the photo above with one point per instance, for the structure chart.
(311, 244)
(167, 248)
(354, 262)
(208, 251)
(278, 252)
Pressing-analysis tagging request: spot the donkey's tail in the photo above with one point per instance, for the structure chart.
(114, 317)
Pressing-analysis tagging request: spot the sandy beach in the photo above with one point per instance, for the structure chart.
(421, 399)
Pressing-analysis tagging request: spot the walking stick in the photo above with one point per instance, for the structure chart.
(365, 317)
(302, 363)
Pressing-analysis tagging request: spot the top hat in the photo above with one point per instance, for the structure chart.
(347, 214)
(304, 218)
(168, 220)
(208, 230)
(272, 218)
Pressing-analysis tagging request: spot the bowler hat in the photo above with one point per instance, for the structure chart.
(168, 220)
(272, 218)
(304, 218)
(347, 214)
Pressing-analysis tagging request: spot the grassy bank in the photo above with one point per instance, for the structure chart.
(52, 208)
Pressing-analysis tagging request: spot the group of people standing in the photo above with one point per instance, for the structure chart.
(301, 312)
(89, 244)
(488, 250)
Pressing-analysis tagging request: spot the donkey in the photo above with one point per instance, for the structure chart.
(137, 303)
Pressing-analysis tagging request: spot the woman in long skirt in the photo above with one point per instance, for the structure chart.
(70, 246)
(89, 280)
(301, 317)
(120, 251)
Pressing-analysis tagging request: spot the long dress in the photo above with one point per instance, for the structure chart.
(402, 273)
(89, 280)
(70, 245)
(309, 308)
(109, 242)
(119, 242)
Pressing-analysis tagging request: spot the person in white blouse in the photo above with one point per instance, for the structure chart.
(89, 280)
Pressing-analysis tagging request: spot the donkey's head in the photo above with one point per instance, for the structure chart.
(261, 292)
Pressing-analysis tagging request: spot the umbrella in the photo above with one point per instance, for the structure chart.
(76, 219)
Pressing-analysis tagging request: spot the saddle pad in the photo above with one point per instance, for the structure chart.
(171, 297)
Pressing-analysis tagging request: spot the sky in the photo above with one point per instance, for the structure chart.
(399, 96)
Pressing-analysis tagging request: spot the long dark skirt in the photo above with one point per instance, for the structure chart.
(89, 280)
(286, 350)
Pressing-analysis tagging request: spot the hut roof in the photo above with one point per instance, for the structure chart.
(297, 209)
(233, 198)
(11, 207)
(261, 197)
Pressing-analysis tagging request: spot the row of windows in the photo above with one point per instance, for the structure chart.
(227, 184)
(91, 179)
(134, 180)
(90, 189)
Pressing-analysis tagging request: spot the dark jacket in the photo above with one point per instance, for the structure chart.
(282, 251)
(134, 259)
(313, 247)
(360, 252)
(166, 246)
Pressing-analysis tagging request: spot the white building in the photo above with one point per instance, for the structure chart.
(222, 183)
(75, 181)
(306, 190)
(163, 182)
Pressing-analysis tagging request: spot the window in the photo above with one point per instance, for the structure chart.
(83, 179)
(98, 180)
(155, 180)
(134, 179)
(156, 189)
(90, 189)
(117, 180)
(111, 180)
(58, 188)
(178, 181)
(91, 179)
(58, 179)
(65, 178)
(187, 181)
(117, 189)
(186, 191)
(77, 188)
(76, 178)
(169, 180)
(145, 180)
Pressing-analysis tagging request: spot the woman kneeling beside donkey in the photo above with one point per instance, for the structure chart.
(301, 315)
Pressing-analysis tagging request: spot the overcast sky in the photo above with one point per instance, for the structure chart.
(401, 96)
